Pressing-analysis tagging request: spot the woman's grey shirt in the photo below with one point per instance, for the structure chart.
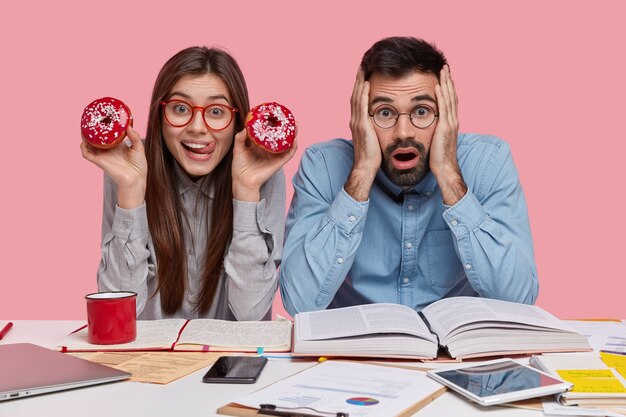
(248, 281)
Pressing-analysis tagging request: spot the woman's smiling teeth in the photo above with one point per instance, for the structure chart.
(201, 148)
(194, 145)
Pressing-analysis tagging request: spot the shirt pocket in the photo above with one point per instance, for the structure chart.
(443, 263)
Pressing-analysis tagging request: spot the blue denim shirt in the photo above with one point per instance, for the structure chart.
(404, 245)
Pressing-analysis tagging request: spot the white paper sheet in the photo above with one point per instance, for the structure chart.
(553, 408)
(362, 390)
(602, 335)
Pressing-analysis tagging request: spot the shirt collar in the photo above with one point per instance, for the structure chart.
(185, 183)
(425, 186)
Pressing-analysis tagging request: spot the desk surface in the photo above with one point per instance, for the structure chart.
(185, 397)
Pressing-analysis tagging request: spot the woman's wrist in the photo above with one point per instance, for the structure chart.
(243, 192)
(131, 197)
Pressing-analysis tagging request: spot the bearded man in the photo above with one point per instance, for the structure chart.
(410, 211)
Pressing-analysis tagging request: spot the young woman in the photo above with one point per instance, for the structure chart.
(193, 220)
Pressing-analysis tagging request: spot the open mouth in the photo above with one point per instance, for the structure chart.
(405, 158)
(199, 148)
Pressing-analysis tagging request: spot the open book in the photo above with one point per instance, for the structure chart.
(195, 335)
(465, 326)
(596, 384)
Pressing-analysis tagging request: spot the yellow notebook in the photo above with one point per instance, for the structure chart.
(596, 382)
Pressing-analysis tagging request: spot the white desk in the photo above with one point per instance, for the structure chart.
(185, 397)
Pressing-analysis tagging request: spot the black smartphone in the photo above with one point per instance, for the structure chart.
(235, 370)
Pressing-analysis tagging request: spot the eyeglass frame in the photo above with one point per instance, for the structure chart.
(398, 114)
(231, 110)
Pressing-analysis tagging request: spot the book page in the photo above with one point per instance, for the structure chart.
(151, 334)
(237, 334)
(360, 320)
(553, 408)
(450, 313)
(165, 367)
(152, 367)
(107, 358)
(552, 362)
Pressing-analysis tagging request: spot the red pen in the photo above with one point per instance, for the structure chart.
(5, 330)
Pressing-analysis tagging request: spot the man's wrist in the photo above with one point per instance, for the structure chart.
(451, 183)
(359, 183)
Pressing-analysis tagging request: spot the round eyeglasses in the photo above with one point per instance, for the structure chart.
(386, 116)
(216, 117)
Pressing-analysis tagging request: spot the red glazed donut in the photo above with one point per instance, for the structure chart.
(271, 126)
(104, 122)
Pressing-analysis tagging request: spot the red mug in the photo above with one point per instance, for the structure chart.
(111, 317)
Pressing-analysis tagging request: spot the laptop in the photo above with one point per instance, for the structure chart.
(29, 369)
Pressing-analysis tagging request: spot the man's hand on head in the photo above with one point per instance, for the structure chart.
(443, 161)
(367, 153)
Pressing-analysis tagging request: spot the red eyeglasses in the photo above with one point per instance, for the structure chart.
(216, 117)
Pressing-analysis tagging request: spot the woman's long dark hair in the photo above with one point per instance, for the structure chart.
(165, 215)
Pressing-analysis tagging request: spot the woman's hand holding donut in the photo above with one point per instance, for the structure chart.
(252, 167)
(126, 165)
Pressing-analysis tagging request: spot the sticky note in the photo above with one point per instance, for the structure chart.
(612, 360)
(592, 380)
(568, 374)
(598, 385)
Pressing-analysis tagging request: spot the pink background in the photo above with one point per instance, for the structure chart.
(547, 76)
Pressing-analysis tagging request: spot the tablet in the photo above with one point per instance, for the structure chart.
(499, 381)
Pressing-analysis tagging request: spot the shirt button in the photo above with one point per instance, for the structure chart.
(468, 266)
(191, 252)
(454, 222)
(126, 224)
(410, 207)
(409, 245)
(352, 218)
(340, 260)
(405, 280)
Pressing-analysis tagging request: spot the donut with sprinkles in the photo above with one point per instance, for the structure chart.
(271, 126)
(104, 122)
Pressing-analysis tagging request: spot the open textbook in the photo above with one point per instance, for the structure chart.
(464, 326)
(195, 335)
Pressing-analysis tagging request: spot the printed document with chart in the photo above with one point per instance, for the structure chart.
(362, 390)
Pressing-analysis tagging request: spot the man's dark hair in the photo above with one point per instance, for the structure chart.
(401, 55)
